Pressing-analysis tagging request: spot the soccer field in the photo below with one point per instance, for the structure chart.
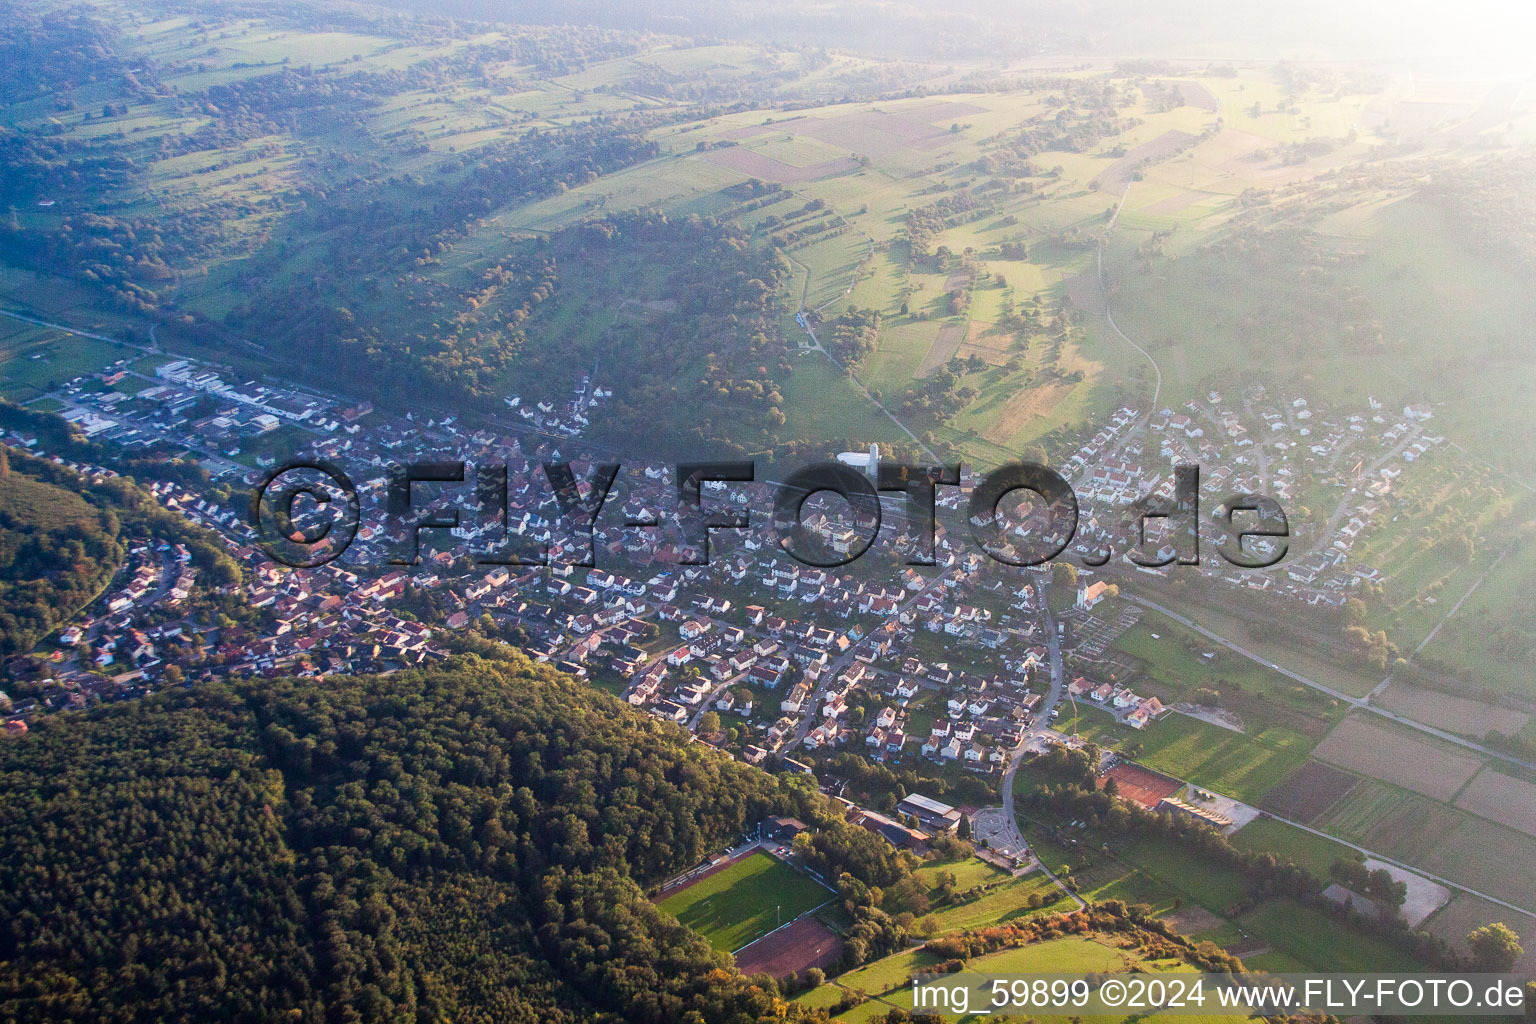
(745, 901)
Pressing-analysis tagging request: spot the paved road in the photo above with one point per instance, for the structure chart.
(37, 322)
(709, 698)
(1042, 723)
(836, 665)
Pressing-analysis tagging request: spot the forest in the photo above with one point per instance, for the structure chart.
(467, 843)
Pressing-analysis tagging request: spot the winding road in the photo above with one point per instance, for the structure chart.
(1042, 722)
(1109, 317)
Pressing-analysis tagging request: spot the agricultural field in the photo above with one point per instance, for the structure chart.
(745, 901)
(1501, 798)
(1175, 662)
(1488, 642)
(1389, 820)
(1465, 914)
(1232, 763)
(1438, 838)
(1462, 715)
(1383, 751)
(34, 360)
(1308, 936)
(1008, 900)
(1309, 791)
(888, 981)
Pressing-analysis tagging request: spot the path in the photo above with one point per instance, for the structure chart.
(1109, 317)
(1376, 691)
(1372, 854)
(803, 319)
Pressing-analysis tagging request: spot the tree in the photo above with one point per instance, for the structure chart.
(1355, 611)
(1495, 948)
(965, 827)
(1064, 574)
(709, 724)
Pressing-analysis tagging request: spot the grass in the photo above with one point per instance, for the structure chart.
(1470, 643)
(819, 400)
(1289, 843)
(40, 359)
(970, 872)
(888, 980)
(1173, 656)
(745, 901)
(1007, 902)
(1234, 764)
(1314, 939)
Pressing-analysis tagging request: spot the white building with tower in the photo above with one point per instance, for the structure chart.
(868, 461)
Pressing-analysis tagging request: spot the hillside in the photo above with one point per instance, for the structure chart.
(56, 550)
(62, 536)
(466, 844)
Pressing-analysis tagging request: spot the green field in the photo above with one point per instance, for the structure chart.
(1488, 639)
(36, 359)
(745, 901)
(1289, 843)
(1173, 656)
(1312, 938)
(1234, 764)
(888, 980)
(1231, 763)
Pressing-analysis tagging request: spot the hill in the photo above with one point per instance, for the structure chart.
(461, 844)
(63, 535)
(56, 550)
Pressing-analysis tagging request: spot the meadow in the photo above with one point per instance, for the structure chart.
(1290, 844)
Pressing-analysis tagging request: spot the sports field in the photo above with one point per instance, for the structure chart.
(745, 901)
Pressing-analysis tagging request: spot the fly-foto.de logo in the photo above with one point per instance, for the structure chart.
(307, 513)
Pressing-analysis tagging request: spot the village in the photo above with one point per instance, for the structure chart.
(947, 664)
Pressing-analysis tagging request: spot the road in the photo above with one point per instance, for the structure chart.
(37, 322)
(709, 698)
(1042, 723)
(1358, 703)
(1376, 692)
